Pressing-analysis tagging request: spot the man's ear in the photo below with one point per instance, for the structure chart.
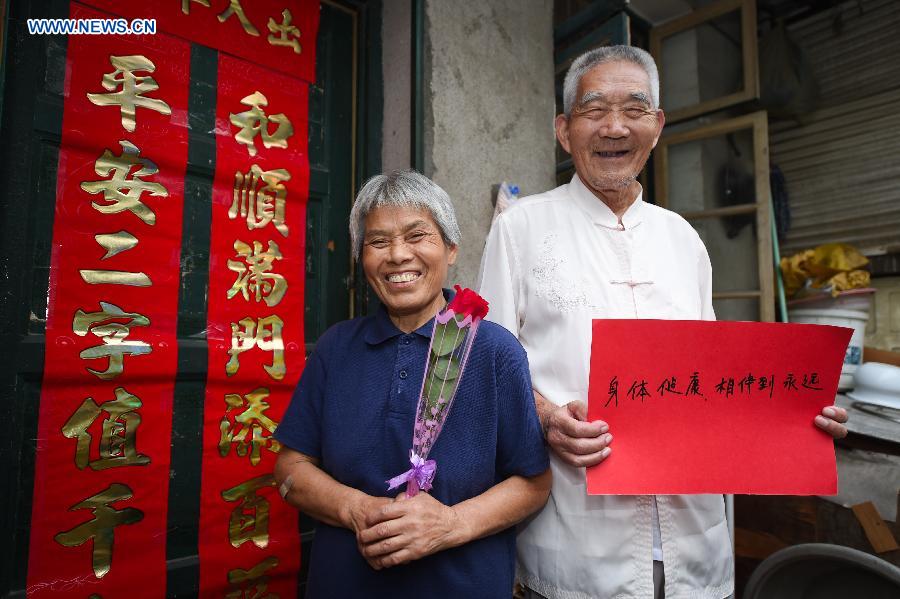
(661, 117)
(562, 131)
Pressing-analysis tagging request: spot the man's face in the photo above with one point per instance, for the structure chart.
(612, 127)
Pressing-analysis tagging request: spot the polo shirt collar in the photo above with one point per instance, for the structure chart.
(599, 213)
(383, 328)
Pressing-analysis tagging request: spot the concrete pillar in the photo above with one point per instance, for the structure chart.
(489, 108)
(396, 47)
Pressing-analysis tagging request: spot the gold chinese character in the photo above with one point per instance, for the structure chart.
(252, 583)
(115, 243)
(186, 5)
(115, 277)
(120, 167)
(113, 335)
(284, 31)
(130, 96)
(118, 439)
(250, 519)
(249, 428)
(266, 335)
(235, 8)
(106, 518)
(253, 274)
(255, 121)
(260, 206)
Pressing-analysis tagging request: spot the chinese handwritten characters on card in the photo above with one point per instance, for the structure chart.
(714, 407)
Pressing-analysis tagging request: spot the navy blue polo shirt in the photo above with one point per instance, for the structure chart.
(354, 410)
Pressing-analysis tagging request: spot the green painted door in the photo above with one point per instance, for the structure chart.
(32, 107)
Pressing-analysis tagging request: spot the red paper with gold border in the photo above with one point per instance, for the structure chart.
(103, 468)
(257, 253)
(284, 45)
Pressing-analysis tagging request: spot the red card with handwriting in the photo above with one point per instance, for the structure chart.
(714, 407)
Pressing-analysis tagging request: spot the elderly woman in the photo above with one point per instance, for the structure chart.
(349, 426)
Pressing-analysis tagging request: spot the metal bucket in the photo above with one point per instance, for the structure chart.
(823, 571)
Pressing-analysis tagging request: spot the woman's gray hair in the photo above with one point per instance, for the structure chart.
(407, 189)
(589, 60)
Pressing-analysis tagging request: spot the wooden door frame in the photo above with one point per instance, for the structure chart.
(368, 112)
(758, 124)
(749, 57)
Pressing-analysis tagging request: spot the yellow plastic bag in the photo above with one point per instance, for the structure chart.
(833, 267)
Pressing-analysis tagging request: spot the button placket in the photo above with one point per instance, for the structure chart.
(404, 342)
(402, 400)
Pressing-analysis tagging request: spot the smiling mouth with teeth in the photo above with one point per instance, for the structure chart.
(402, 277)
(615, 154)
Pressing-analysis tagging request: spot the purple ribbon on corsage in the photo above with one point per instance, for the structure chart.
(418, 477)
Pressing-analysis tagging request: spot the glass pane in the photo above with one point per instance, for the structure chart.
(736, 309)
(735, 262)
(702, 63)
(715, 172)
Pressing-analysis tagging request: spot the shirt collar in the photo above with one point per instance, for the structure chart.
(383, 328)
(599, 212)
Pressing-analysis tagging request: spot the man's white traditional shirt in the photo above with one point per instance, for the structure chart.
(553, 262)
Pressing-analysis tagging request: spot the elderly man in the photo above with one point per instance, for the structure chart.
(594, 249)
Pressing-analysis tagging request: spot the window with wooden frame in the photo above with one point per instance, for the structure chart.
(717, 177)
(707, 59)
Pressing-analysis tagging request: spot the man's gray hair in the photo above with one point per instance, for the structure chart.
(406, 189)
(589, 60)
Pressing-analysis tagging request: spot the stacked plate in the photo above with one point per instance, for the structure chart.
(877, 384)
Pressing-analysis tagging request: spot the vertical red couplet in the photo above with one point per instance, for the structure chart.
(248, 535)
(98, 521)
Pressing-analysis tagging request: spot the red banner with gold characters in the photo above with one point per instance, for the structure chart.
(98, 525)
(279, 34)
(248, 535)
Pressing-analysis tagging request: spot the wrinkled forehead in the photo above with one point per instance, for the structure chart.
(615, 81)
(397, 219)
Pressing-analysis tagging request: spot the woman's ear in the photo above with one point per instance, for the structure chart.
(454, 250)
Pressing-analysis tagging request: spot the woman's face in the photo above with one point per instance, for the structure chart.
(405, 260)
